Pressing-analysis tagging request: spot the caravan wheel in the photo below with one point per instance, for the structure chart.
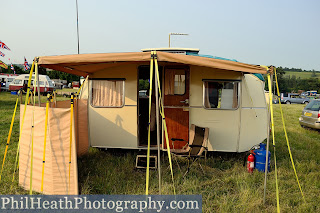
(288, 102)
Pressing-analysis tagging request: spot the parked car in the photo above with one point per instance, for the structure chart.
(311, 115)
(294, 98)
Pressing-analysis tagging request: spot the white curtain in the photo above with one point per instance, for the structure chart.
(107, 93)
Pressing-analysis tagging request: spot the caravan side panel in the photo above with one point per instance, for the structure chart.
(115, 127)
(223, 124)
(253, 114)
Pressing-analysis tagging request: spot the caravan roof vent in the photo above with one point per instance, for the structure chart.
(178, 50)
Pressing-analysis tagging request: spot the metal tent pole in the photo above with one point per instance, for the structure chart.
(158, 126)
(267, 154)
(78, 27)
(36, 86)
(267, 159)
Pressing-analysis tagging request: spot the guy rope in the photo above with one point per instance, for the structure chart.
(286, 135)
(271, 71)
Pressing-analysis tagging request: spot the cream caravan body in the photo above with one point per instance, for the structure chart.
(225, 96)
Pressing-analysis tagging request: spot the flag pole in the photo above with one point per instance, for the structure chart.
(78, 27)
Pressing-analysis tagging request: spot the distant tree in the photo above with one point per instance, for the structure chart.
(313, 75)
(18, 70)
(283, 85)
(53, 74)
(42, 71)
(143, 84)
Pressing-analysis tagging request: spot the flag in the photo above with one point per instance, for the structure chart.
(2, 54)
(26, 66)
(3, 46)
(3, 65)
(12, 68)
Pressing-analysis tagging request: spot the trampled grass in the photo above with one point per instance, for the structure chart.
(226, 186)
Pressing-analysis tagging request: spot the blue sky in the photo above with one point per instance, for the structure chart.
(273, 32)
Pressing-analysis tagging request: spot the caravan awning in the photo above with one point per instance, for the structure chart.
(84, 64)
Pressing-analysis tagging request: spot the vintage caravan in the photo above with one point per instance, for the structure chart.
(224, 95)
(45, 83)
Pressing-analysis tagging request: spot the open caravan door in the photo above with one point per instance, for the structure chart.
(176, 105)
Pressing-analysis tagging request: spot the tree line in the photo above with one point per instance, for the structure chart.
(53, 74)
(292, 83)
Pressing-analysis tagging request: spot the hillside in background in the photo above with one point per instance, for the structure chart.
(295, 79)
(303, 75)
(300, 73)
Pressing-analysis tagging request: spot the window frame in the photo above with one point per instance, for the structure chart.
(185, 85)
(220, 80)
(310, 109)
(107, 79)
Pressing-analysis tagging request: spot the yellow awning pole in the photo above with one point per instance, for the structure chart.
(70, 145)
(10, 132)
(285, 133)
(79, 90)
(273, 142)
(36, 85)
(164, 120)
(24, 113)
(32, 130)
(148, 151)
(45, 140)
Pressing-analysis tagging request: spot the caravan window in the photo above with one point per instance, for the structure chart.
(220, 94)
(175, 82)
(107, 93)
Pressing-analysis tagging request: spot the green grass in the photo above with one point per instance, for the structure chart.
(226, 186)
(302, 75)
(67, 90)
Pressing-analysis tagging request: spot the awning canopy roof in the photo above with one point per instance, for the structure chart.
(84, 64)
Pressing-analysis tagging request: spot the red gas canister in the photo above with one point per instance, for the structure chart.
(250, 163)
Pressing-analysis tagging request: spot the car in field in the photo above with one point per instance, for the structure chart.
(294, 98)
(311, 115)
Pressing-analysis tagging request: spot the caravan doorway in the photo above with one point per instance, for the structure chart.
(143, 107)
(176, 104)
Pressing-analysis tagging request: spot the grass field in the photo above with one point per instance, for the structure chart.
(226, 186)
(302, 75)
(67, 90)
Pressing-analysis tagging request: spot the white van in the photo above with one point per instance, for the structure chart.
(45, 83)
(6, 79)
